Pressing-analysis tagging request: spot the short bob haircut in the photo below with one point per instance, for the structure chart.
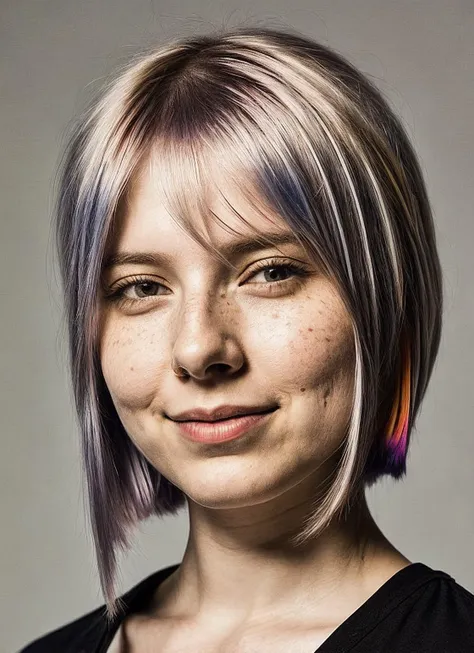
(302, 131)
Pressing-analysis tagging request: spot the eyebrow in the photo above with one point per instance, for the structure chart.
(230, 251)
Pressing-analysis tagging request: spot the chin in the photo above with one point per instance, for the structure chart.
(218, 497)
(219, 490)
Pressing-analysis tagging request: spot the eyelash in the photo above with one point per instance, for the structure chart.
(298, 270)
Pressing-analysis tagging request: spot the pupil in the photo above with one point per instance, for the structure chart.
(273, 273)
(147, 287)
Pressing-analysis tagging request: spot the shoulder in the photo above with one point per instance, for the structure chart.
(84, 634)
(72, 637)
(437, 615)
(451, 605)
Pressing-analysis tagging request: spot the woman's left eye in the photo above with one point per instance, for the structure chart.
(296, 270)
(275, 274)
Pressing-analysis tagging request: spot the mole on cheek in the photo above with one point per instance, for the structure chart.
(327, 392)
(310, 329)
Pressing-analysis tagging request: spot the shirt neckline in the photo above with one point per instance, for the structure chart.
(383, 601)
(398, 587)
(133, 600)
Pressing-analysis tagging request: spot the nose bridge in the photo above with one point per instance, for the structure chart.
(204, 298)
(202, 307)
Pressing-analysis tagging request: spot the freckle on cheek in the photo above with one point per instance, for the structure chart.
(302, 389)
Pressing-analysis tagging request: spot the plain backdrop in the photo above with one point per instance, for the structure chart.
(54, 55)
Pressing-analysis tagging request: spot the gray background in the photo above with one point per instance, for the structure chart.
(54, 53)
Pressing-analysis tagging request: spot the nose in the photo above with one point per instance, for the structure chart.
(206, 343)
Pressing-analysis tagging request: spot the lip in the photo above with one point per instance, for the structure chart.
(219, 413)
(222, 430)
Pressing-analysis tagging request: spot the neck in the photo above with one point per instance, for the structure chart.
(241, 564)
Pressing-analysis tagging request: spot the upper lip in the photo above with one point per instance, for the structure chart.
(220, 412)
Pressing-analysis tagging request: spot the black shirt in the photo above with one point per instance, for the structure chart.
(418, 610)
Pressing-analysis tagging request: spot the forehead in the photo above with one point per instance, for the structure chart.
(218, 212)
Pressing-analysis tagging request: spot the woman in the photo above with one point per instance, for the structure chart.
(254, 301)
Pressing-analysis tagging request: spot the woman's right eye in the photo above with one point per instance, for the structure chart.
(135, 289)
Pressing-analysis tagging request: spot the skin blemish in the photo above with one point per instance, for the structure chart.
(302, 389)
(310, 329)
(327, 392)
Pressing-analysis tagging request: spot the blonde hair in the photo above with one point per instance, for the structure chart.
(304, 132)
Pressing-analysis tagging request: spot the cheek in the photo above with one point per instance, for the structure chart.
(305, 346)
(132, 364)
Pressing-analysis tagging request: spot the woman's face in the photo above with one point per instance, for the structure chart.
(262, 335)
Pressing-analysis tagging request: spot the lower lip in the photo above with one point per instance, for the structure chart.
(222, 431)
